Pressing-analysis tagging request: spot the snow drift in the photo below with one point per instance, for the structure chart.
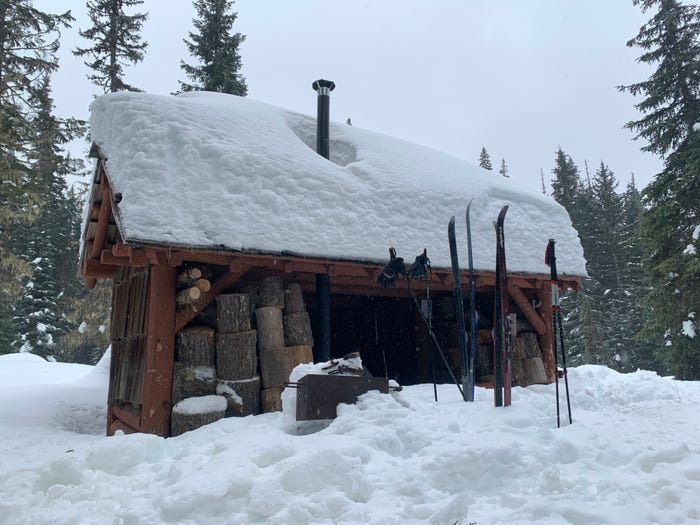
(631, 456)
(219, 171)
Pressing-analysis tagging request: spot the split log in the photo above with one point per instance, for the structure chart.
(270, 327)
(195, 346)
(232, 313)
(189, 277)
(271, 292)
(193, 413)
(204, 285)
(236, 357)
(192, 381)
(243, 397)
(188, 296)
(534, 371)
(294, 300)
(276, 364)
(297, 329)
(271, 399)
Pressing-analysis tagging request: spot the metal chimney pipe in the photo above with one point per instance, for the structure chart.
(322, 349)
(324, 88)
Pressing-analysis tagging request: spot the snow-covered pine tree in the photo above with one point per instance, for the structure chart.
(116, 42)
(566, 183)
(636, 285)
(50, 241)
(670, 40)
(216, 49)
(503, 170)
(29, 39)
(485, 160)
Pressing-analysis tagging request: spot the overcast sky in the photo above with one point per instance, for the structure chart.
(518, 77)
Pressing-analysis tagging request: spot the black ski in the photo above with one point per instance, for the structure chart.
(502, 371)
(550, 260)
(459, 306)
(472, 310)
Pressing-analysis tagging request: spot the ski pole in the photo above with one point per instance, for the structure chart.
(563, 360)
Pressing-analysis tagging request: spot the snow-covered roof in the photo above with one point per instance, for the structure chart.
(211, 170)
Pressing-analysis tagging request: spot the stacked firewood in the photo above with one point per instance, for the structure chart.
(284, 337)
(194, 376)
(236, 356)
(192, 285)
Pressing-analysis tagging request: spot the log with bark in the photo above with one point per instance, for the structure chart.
(534, 371)
(271, 292)
(182, 421)
(271, 399)
(195, 346)
(294, 300)
(232, 313)
(276, 364)
(188, 277)
(236, 357)
(207, 317)
(204, 285)
(297, 329)
(192, 381)
(243, 397)
(270, 327)
(188, 296)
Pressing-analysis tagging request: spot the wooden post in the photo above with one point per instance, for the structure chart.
(546, 338)
(322, 350)
(160, 351)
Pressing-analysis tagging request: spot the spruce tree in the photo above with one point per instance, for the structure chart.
(485, 160)
(50, 242)
(566, 183)
(116, 38)
(29, 40)
(670, 40)
(216, 49)
(503, 170)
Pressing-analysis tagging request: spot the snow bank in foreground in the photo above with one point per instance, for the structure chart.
(194, 170)
(632, 456)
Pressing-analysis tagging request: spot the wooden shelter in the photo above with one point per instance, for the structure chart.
(150, 306)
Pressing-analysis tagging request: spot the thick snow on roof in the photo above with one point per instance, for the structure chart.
(213, 170)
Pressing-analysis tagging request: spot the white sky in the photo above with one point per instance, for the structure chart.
(519, 77)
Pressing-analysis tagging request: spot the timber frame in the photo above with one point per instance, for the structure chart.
(104, 253)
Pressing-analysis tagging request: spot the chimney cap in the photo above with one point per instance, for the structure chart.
(321, 83)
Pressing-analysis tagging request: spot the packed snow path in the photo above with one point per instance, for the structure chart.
(632, 456)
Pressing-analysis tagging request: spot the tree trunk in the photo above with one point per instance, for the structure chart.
(232, 313)
(270, 328)
(271, 399)
(188, 296)
(243, 397)
(195, 346)
(297, 330)
(271, 292)
(236, 357)
(294, 300)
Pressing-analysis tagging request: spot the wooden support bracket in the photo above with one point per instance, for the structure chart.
(526, 308)
(186, 314)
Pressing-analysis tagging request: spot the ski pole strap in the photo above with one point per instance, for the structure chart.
(550, 259)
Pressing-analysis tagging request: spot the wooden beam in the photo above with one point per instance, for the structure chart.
(186, 314)
(526, 308)
(127, 416)
(109, 259)
(118, 424)
(90, 283)
(97, 270)
(160, 351)
(102, 222)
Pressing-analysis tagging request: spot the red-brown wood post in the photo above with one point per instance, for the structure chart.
(546, 339)
(160, 351)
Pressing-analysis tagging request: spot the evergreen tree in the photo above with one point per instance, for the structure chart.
(50, 241)
(485, 160)
(216, 49)
(670, 40)
(29, 40)
(117, 42)
(566, 183)
(503, 170)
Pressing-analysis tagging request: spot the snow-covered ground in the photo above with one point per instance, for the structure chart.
(632, 456)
